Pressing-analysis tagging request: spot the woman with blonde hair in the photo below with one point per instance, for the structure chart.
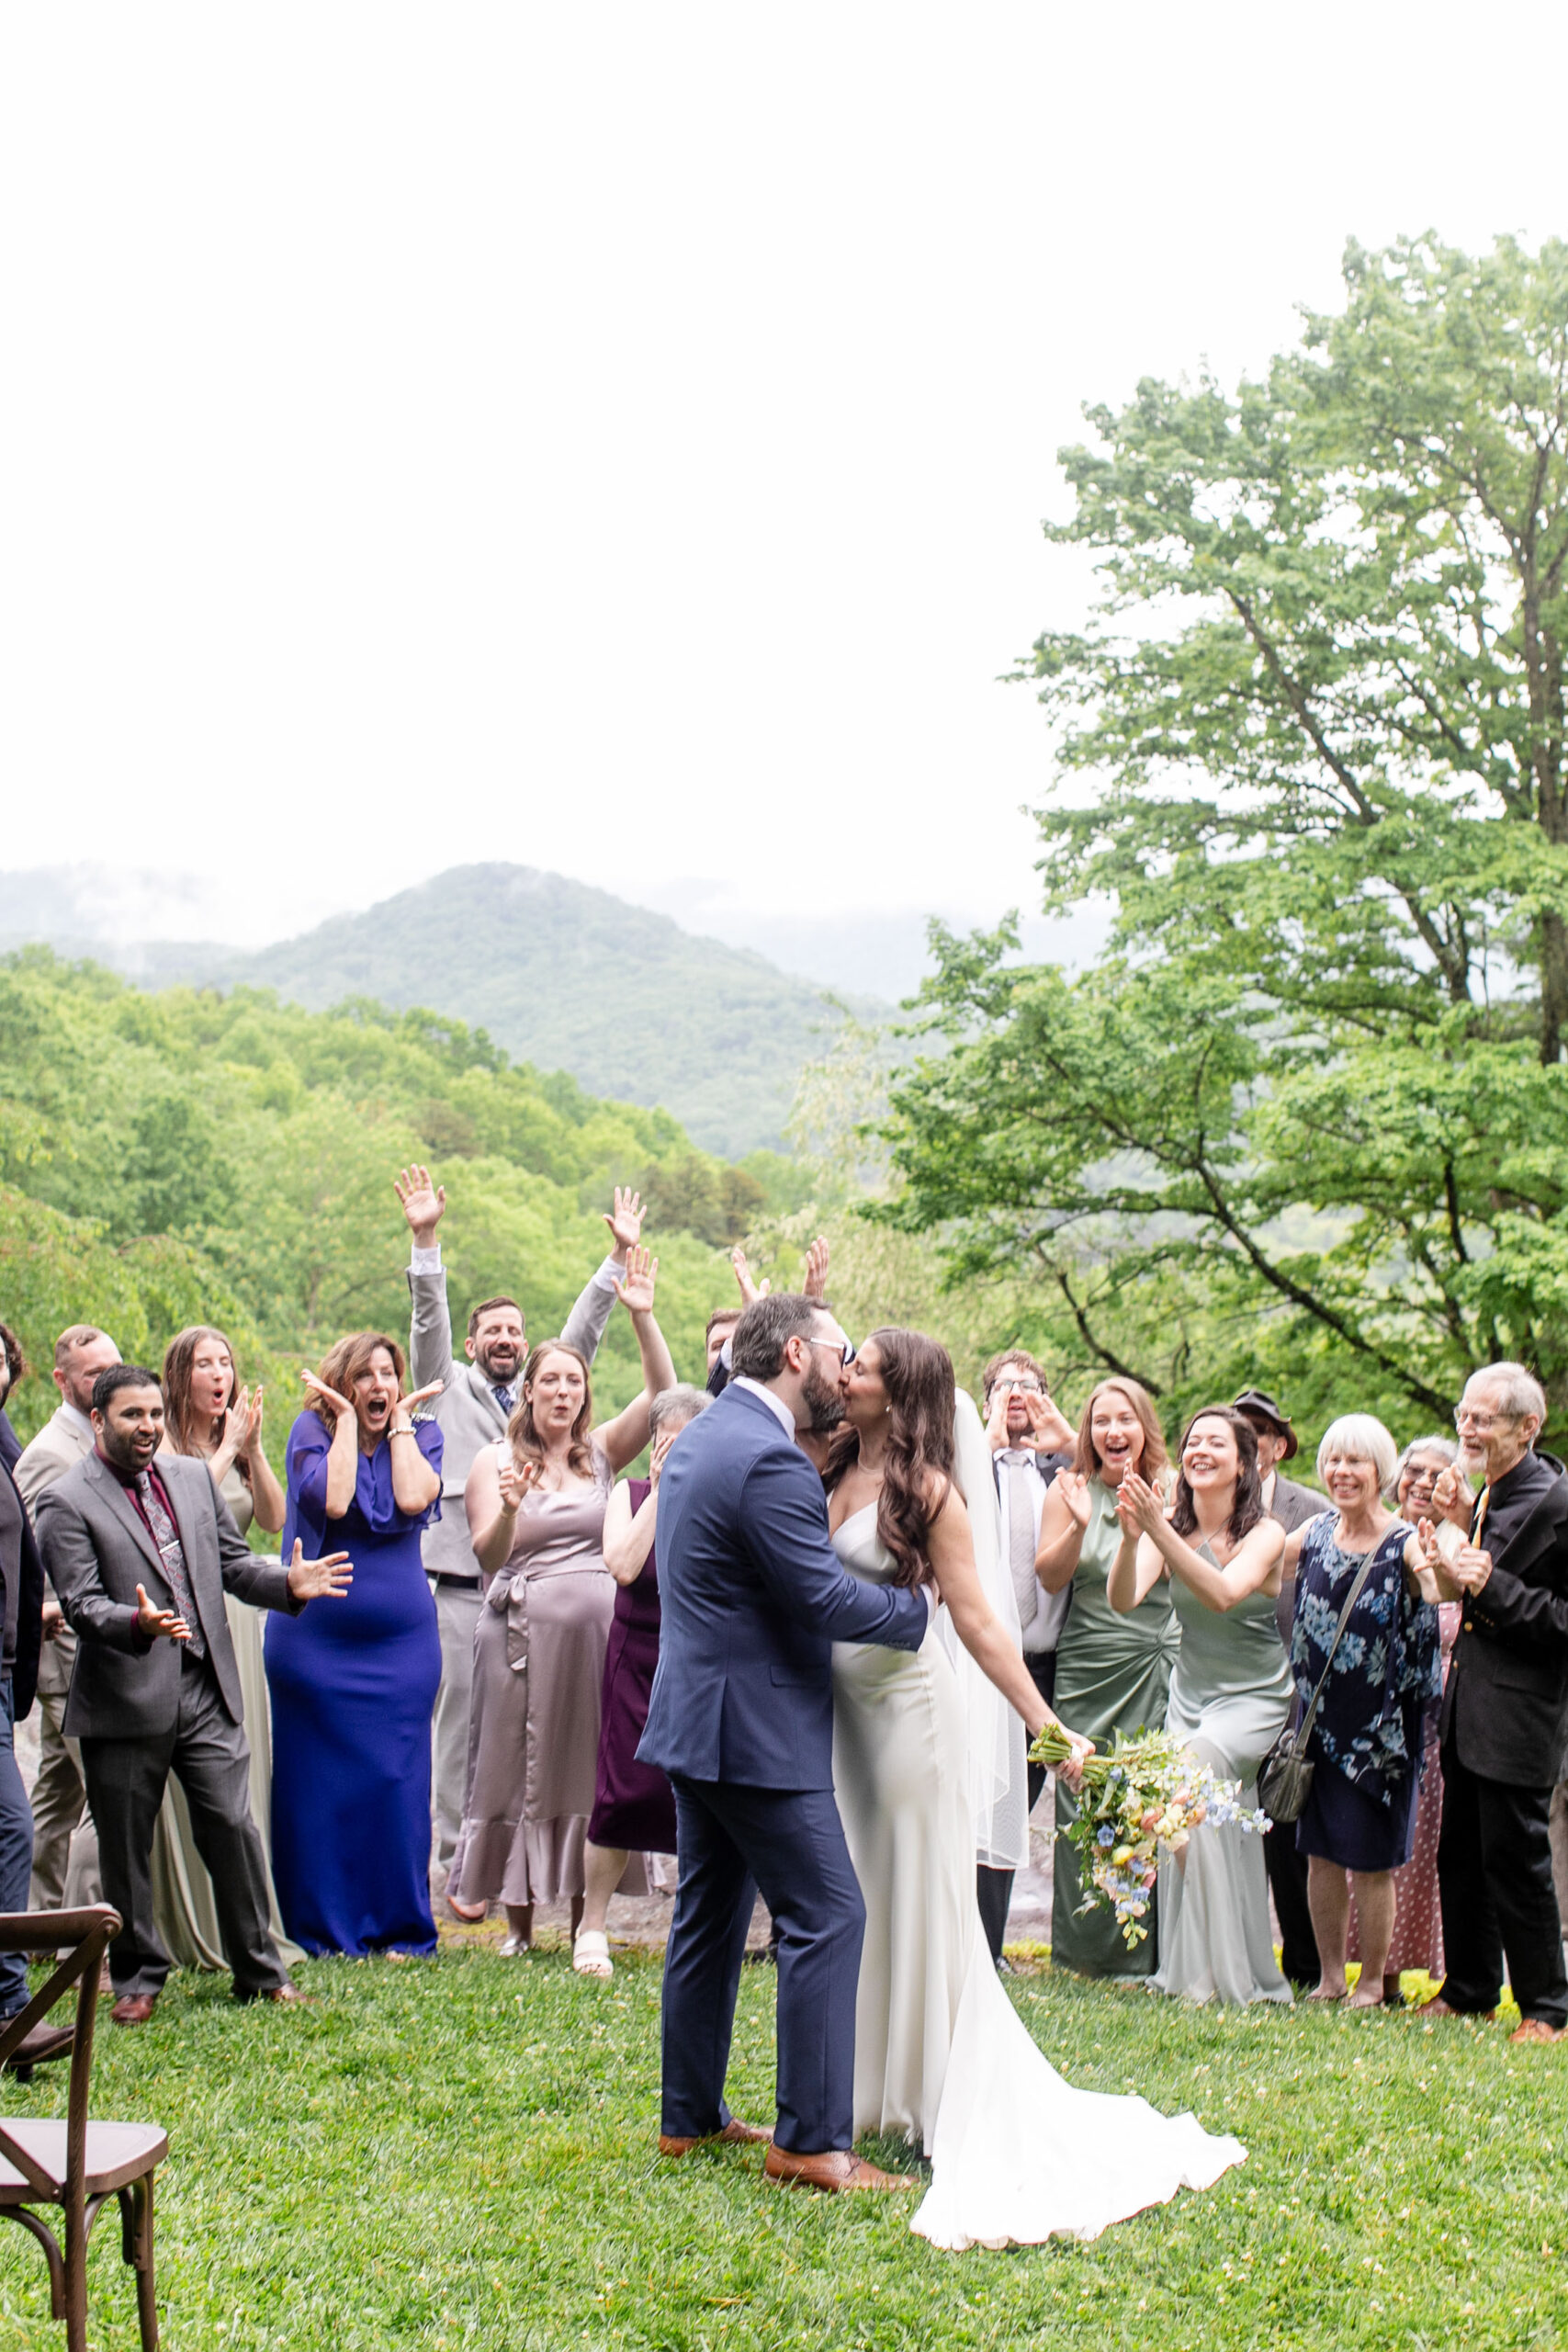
(209, 1413)
(1113, 1671)
(353, 1687)
(535, 1505)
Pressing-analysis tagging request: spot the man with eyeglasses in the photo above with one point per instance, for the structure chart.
(1504, 1718)
(1030, 1442)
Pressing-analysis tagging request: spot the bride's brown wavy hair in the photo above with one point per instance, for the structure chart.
(918, 1375)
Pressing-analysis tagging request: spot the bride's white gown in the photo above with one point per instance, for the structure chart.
(941, 2053)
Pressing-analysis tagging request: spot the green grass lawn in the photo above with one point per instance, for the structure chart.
(461, 2153)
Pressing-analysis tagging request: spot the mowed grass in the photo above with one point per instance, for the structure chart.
(461, 2153)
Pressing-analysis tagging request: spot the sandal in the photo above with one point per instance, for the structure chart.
(513, 1947)
(590, 1953)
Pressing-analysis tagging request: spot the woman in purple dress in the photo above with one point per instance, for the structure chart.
(634, 1805)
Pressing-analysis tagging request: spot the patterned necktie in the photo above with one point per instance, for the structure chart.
(1020, 1541)
(506, 1399)
(167, 1536)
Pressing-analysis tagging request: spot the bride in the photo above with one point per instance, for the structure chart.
(940, 2055)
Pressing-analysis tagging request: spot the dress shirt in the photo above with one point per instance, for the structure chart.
(1044, 1629)
(67, 1412)
(128, 1478)
(1510, 1502)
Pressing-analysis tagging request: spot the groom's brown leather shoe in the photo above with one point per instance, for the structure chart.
(835, 2169)
(735, 2132)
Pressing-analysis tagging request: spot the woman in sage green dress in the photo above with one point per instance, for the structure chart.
(1113, 1672)
(1230, 1695)
(210, 1416)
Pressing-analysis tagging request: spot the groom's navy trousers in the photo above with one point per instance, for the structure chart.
(790, 1843)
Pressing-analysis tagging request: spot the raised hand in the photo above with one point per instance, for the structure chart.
(431, 1388)
(636, 1291)
(1048, 1427)
(518, 1479)
(625, 1221)
(425, 1204)
(328, 1396)
(1451, 1497)
(154, 1622)
(327, 1579)
(815, 1283)
(1072, 1488)
(662, 1445)
(750, 1289)
(997, 1423)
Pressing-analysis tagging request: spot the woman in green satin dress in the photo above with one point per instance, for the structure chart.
(1112, 1673)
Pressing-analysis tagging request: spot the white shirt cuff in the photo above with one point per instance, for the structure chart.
(424, 1261)
(608, 1276)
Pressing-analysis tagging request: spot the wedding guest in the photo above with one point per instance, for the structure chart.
(1230, 1695)
(1113, 1671)
(1366, 1740)
(634, 1805)
(1417, 1918)
(21, 1633)
(473, 1407)
(722, 1322)
(1505, 1719)
(537, 1506)
(209, 1416)
(1029, 1443)
(352, 1687)
(1293, 1506)
(59, 1790)
(155, 1688)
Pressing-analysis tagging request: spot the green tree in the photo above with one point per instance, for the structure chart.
(1312, 749)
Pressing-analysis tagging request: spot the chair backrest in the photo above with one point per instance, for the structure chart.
(88, 1933)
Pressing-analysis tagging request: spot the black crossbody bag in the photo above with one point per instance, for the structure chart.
(1285, 1777)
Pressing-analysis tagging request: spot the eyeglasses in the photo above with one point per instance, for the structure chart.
(842, 1349)
(1020, 1388)
(1481, 1423)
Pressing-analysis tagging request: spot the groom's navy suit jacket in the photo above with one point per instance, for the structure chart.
(752, 1598)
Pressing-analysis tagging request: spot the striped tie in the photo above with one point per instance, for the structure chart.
(167, 1536)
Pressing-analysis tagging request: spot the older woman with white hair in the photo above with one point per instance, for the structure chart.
(1368, 1739)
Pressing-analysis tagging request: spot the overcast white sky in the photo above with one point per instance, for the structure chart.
(615, 438)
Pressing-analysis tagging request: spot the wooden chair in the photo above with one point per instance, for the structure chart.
(77, 2164)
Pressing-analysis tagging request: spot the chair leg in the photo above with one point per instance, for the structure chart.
(136, 2224)
(76, 2280)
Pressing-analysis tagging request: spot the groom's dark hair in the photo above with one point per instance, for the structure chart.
(756, 1352)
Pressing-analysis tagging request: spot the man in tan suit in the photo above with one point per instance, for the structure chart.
(60, 1792)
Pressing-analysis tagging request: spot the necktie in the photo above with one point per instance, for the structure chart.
(506, 1399)
(1021, 1539)
(167, 1536)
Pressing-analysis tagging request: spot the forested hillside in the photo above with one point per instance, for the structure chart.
(181, 1157)
(569, 978)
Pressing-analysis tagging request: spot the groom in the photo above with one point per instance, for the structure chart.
(741, 1718)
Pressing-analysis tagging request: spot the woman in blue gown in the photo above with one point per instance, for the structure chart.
(352, 1687)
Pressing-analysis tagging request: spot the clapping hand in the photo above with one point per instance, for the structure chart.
(518, 1479)
(1072, 1488)
(815, 1283)
(153, 1621)
(750, 1289)
(1451, 1497)
(241, 1425)
(425, 1204)
(327, 1579)
(636, 1292)
(1137, 1506)
(1470, 1568)
(625, 1221)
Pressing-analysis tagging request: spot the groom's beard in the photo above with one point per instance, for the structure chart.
(824, 1402)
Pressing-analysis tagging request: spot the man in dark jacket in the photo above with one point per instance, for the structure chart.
(1505, 1719)
(21, 1583)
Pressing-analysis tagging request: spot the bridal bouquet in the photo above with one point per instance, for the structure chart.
(1142, 1799)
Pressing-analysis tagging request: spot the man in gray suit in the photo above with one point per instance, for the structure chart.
(60, 1792)
(473, 1409)
(157, 1685)
(1293, 1506)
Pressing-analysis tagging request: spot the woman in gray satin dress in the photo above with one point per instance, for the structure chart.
(1230, 1695)
(208, 1414)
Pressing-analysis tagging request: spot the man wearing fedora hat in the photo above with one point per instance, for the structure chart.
(1293, 1506)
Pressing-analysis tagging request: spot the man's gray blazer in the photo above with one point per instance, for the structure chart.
(1293, 1506)
(466, 1409)
(126, 1684)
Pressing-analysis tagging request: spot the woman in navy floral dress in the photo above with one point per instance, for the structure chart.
(1368, 1739)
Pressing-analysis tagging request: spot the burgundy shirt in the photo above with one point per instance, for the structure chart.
(127, 1480)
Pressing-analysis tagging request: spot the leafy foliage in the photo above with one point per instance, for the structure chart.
(186, 1157)
(1309, 1112)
